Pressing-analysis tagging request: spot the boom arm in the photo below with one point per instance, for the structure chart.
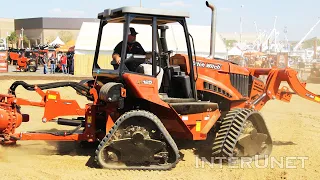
(272, 91)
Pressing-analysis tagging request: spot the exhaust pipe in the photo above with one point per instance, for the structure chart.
(213, 29)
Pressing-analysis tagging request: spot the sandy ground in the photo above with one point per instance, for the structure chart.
(295, 130)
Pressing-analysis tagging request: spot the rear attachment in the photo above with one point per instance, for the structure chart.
(243, 133)
(11, 116)
(138, 140)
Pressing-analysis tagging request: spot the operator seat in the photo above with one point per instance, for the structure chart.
(147, 69)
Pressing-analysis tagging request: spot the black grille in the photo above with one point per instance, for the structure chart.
(216, 89)
(241, 83)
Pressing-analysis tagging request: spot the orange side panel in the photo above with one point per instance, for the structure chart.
(200, 124)
(144, 87)
(212, 71)
(238, 69)
(55, 106)
(173, 125)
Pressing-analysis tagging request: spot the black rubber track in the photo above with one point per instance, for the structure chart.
(160, 126)
(230, 130)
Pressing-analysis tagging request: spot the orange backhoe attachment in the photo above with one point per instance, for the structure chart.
(274, 80)
(11, 117)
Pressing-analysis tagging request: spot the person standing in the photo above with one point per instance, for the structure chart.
(64, 63)
(53, 64)
(45, 63)
(71, 69)
(70, 62)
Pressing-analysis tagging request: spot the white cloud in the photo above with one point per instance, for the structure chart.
(225, 9)
(57, 12)
(175, 3)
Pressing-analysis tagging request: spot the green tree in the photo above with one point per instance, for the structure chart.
(13, 38)
(309, 43)
(229, 43)
(65, 36)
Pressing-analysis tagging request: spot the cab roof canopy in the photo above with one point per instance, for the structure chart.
(118, 15)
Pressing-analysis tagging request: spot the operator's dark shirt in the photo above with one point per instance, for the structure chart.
(132, 48)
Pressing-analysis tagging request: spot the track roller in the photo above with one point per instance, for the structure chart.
(138, 140)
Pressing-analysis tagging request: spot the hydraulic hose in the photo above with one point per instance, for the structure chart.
(81, 89)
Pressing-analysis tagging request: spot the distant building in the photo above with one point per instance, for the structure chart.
(44, 30)
(6, 26)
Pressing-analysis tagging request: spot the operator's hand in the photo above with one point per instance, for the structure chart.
(117, 58)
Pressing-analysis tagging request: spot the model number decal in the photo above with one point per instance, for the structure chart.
(148, 82)
(207, 65)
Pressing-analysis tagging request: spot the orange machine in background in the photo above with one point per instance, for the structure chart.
(282, 60)
(24, 59)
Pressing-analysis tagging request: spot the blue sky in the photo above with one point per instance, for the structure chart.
(298, 16)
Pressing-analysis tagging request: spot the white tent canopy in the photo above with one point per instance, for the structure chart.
(57, 41)
(113, 34)
(235, 51)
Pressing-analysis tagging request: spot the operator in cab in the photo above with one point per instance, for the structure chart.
(133, 47)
